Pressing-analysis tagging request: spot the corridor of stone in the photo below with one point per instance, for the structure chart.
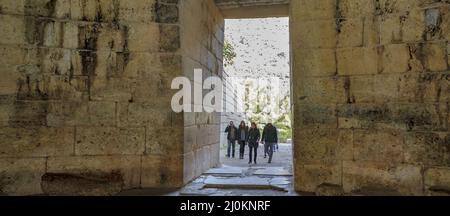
(235, 177)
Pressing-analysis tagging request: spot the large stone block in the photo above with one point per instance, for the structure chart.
(102, 113)
(413, 26)
(164, 141)
(317, 90)
(405, 27)
(83, 184)
(13, 30)
(425, 117)
(138, 11)
(36, 142)
(143, 114)
(316, 146)
(435, 56)
(355, 89)
(21, 176)
(314, 34)
(371, 31)
(427, 148)
(312, 10)
(143, 37)
(429, 57)
(190, 138)
(346, 147)
(366, 116)
(309, 177)
(47, 8)
(162, 172)
(12, 6)
(188, 167)
(351, 33)
(445, 25)
(379, 146)
(424, 87)
(390, 30)
(315, 116)
(372, 178)
(109, 141)
(315, 62)
(356, 8)
(437, 181)
(395, 59)
(357, 60)
(128, 167)
(386, 88)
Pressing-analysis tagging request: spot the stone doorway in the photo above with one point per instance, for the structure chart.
(261, 52)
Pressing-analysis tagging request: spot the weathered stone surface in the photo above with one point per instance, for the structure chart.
(316, 146)
(428, 148)
(36, 142)
(329, 190)
(321, 62)
(318, 90)
(109, 141)
(309, 10)
(84, 184)
(129, 167)
(355, 89)
(356, 8)
(378, 146)
(357, 60)
(395, 58)
(162, 171)
(361, 177)
(309, 177)
(21, 176)
(437, 181)
(317, 116)
(389, 93)
(321, 34)
(350, 33)
(164, 140)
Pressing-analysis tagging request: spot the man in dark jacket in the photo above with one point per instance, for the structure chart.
(269, 138)
(231, 131)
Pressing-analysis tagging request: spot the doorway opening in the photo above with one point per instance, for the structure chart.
(257, 76)
(256, 89)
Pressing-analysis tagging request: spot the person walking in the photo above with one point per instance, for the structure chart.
(253, 142)
(231, 130)
(275, 146)
(242, 138)
(269, 138)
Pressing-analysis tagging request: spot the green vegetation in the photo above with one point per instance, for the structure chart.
(228, 54)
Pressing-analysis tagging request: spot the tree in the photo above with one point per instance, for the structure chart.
(228, 54)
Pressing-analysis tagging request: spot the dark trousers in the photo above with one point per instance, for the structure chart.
(241, 149)
(253, 147)
(231, 147)
(268, 149)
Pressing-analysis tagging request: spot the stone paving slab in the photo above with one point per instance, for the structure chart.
(251, 182)
(272, 171)
(280, 181)
(226, 170)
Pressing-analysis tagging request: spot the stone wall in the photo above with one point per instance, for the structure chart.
(371, 95)
(85, 94)
(85, 91)
(202, 35)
